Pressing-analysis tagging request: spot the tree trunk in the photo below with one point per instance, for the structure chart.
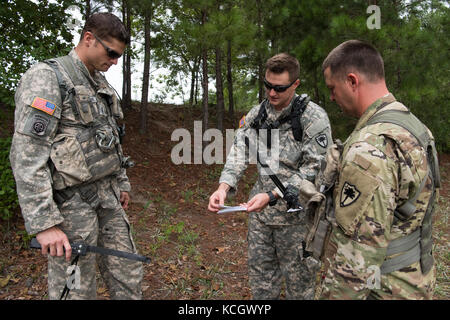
(146, 75)
(230, 83)
(196, 81)
(193, 92)
(128, 71)
(219, 89)
(205, 77)
(124, 60)
(88, 10)
(259, 56)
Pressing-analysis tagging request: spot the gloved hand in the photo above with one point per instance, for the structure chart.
(291, 197)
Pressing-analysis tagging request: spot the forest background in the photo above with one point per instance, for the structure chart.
(212, 53)
(224, 44)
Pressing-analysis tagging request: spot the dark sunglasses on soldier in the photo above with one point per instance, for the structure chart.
(110, 52)
(270, 86)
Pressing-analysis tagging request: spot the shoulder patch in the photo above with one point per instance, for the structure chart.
(43, 105)
(322, 140)
(349, 194)
(38, 124)
(242, 122)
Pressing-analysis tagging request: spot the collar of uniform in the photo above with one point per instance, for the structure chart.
(273, 115)
(82, 67)
(374, 108)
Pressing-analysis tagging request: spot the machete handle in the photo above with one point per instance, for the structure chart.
(35, 244)
(77, 248)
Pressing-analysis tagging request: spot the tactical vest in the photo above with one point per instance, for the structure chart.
(87, 149)
(414, 247)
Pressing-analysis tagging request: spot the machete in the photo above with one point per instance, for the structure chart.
(80, 248)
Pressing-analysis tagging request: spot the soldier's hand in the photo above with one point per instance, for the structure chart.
(258, 202)
(54, 241)
(124, 199)
(216, 200)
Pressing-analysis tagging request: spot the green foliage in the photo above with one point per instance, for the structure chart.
(413, 40)
(8, 195)
(187, 195)
(31, 31)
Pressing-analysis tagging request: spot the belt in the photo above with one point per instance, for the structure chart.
(87, 192)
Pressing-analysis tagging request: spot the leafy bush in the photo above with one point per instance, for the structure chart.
(8, 195)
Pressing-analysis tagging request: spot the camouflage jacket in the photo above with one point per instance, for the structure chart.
(381, 166)
(292, 160)
(39, 118)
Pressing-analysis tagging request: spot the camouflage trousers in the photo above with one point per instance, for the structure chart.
(107, 228)
(275, 253)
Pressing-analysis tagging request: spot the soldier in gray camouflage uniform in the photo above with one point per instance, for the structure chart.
(69, 166)
(275, 236)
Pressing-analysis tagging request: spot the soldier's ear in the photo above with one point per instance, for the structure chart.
(353, 80)
(88, 38)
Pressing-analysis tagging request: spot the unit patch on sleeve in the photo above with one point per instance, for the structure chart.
(322, 140)
(349, 194)
(39, 125)
(43, 105)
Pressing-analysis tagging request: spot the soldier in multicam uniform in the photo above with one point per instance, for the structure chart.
(69, 166)
(380, 245)
(275, 236)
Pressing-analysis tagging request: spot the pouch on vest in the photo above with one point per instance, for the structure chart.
(79, 159)
(320, 208)
(102, 160)
(69, 162)
(112, 102)
(85, 101)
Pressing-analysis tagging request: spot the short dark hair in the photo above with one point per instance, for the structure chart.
(284, 62)
(355, 55)
(106, 25)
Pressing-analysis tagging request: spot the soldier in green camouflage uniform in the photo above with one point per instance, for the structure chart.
(69, 166)
(381, 167)
(275, 236)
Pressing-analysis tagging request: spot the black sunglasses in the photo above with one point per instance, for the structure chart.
(270, 86)
(110, 52)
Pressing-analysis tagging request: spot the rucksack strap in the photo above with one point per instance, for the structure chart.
(416, 246)
(63, 87)
(298, 107)
(68, 64)
(409, 121)
(406, 120)
(66, 89)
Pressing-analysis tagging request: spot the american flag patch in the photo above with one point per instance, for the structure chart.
(43, 105)
(242, 122)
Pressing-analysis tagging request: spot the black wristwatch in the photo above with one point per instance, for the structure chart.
(272, 200)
